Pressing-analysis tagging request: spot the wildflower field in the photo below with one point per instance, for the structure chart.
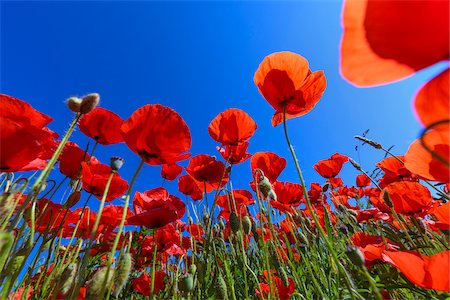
(72, 227)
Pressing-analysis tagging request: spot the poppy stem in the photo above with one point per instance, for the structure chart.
(313, 212)
(122, 223)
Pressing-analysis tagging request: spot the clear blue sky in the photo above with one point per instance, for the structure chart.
(199, 58)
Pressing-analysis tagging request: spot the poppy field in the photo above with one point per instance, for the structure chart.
(72, 227)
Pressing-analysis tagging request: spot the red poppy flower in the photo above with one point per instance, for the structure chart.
(156, 208)
(207, 172)
(52, 217)
(234, 154)
(170, 171)
(111, 217)
(362, 180)
(330, 167)
(232, 127)
(335, 182)
(102, 125)
(412, 36)
(284, 79)
(442, 213)
(316, 193)
(95, 176)
(394, 170)
(371, 246)
(241, 197)
(188, 186)
(284, 292)
(168, 238)
(25, 144)
(429, 272)
(143, 282)
(408, 197)
(289, 195)
(270, 163)
(165, 141)
(70, 160)
(421, 162)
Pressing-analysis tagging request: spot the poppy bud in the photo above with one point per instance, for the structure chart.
(264, 186)
(98, 280)
(68, 278)
(355, 255)
(221, 288)
(122, 272)
(74, 103)
(325, 187)
(234, 222)
(89, 102)
(116, 163)
(72, 199)
(190, 220)
(205, 217)
(387, 199)
(247, 224)
(6, 204)
(222, 224)
(186, 283)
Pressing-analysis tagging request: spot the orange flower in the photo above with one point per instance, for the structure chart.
(232, 127)
(408, 196)
(284, 79)
(412, 35)
(157, 134)
(421, 162)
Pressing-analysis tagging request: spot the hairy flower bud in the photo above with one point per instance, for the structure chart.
(74, 103)
(221, 288)
(67, 278)
(355, 255)
(234, 222)
(123, 269)
(247, 224)
(89, 102)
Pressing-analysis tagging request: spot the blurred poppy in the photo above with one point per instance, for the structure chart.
(283, 292)
(156, 208)
(284, 79)
(432, 101)
(442, 213)
(111, 217)
(362, 180)
(25, 142)
(232, 127)
(421, 162)
(143, 282)
(332, 166)
(408, 197)
(95, 176)
(165, 141)
(234, 154)
(241, 198)
(289, 195)
(412, 36)
(371, 246)
(188, 186)
(335, 182)
(170, 171)
(52, 217)
(429, 272)
(270, 163)
(70, 160)
(208, 172)
(102, 125)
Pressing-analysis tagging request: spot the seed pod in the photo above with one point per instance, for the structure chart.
(221, 288)
(89, 102)
(98, 281)
(247, 224)
(116, 163)
(325, 187)
(67, 278)
(74, 103)
(72, 199)
(186, 283)
(234, 223)
(122, 272)
(355, 256)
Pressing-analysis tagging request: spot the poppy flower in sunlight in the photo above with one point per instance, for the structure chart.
(234, 154)
(412, 35)
(156, 208)
(408, 197)
(442, 213)
(143, 282)
(371, 246)
(284, 79)
(52, 217)
(429, 272)
(289, 195)
(316, 193)
(208, 172)
(330, 167)
(25, 142)
(232, 127)
(95, 176)
(102, 125)
(188, 187)
(165, 141)
(70, 160)
(270, 163)
(421, 162)
(170, 171)
(394, 170)
(362, 180)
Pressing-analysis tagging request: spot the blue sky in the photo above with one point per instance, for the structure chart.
(199, 58)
